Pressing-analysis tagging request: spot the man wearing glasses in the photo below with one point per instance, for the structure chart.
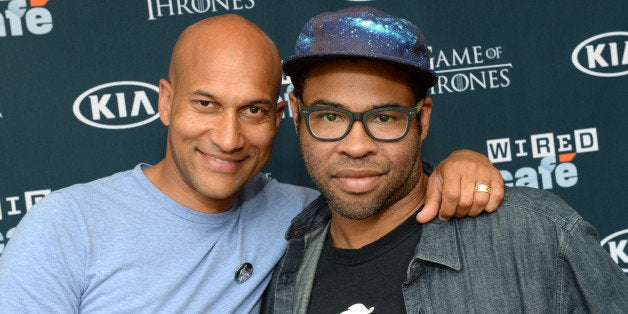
(360, 87)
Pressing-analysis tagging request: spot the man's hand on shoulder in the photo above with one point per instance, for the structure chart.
(451, 189)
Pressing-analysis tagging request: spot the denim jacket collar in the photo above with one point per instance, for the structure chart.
(314, 216)
(438, 241)
(439, 244)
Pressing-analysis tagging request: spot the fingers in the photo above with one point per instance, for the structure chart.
(497, 193)
(450, 203)
(429, 211)
(480, 200)
(470, 203)
(432, 199)
(443, 192)
(458, 176)
(488, 202)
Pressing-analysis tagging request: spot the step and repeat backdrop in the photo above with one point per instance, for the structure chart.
(540, 87)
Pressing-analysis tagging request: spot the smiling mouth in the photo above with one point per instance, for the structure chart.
(222, 164)
(222, 161)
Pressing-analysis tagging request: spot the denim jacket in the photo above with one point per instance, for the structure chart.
(534, 254)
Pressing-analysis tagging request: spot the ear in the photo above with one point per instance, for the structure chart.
(426, 111)
(165, 101)
(281, 106)
(294, 107)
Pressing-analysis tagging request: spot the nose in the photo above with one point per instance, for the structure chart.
(357, 143)
(227, 134)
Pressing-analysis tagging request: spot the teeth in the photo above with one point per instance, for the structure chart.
(220, 160)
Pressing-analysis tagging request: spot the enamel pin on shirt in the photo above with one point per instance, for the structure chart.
(244, 272)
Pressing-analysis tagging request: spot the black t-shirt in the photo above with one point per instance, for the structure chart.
(368, 278)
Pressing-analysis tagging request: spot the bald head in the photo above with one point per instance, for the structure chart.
(230, 44)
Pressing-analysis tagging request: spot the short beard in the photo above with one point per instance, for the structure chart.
(376, 203)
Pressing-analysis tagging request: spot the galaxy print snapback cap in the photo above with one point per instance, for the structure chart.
(362, 32)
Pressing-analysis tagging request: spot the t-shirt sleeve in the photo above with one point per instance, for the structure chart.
(42, 265)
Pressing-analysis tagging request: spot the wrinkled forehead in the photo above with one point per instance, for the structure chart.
(237, 67)
(229, 46)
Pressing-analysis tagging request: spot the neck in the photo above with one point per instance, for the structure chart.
(354, 234)
(169, 182)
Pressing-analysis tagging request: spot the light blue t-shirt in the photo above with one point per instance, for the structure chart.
(119, 245)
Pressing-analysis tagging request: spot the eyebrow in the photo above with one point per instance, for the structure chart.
(329, 103)
(254, 101)
(199, 92)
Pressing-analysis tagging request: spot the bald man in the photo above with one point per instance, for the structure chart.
(201, 230)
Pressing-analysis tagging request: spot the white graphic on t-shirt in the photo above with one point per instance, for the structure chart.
(358, 308)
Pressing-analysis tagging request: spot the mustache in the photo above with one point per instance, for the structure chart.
(366, 166)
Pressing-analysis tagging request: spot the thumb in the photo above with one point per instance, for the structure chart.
(432, 200)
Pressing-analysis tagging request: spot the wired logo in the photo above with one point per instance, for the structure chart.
(555, 151)
(21, 16)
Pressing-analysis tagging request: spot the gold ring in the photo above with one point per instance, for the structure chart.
(482, 188)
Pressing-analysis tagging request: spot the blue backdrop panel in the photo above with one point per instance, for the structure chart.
(540, 88)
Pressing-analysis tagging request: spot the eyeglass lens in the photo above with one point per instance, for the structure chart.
(383, 124)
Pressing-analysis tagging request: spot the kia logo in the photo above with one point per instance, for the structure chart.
(616, 246)
(604, 55)
(118, 105)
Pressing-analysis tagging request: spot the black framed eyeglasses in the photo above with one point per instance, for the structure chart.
(386, 124)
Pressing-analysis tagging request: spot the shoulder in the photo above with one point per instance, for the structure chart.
(120, 181)
(58, 204)
(533, 214)
(263, 193)
(272, 190)
(539, 204)
(60, 217)
(526, 216)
